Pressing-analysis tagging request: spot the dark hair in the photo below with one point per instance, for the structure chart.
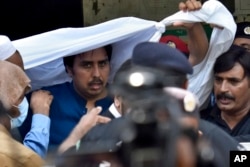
(227, 60)
(69, 60)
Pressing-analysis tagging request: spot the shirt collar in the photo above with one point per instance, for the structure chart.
(114, 111)
(215, 112)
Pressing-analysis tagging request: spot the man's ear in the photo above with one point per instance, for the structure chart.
(69, 70)
(14, 112)
(117, 102)
(16, 58)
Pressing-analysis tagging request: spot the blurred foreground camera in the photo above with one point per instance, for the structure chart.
(150, 135)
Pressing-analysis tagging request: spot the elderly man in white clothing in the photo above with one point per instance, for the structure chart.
(38, 137)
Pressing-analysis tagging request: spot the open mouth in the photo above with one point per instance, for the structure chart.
(95, 86)
(225, 101)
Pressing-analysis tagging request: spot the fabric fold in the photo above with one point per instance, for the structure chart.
(42, 53)
(215, 13)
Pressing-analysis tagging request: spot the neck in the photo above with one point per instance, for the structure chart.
(233, 118)
(91, 101)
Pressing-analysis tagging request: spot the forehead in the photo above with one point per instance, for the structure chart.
(93, 55)
(236, 72)
(240, 41)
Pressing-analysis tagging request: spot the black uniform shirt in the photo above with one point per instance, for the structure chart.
(240, 132)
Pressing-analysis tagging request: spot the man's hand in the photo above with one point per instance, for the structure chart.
(40, 102)
(197, 39)
(93, 118)
(190, 5)
(87, 121)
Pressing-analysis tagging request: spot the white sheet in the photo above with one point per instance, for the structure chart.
(42, 53)
(212, 12)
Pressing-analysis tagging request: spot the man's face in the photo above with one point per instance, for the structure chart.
(231, 89)
(90, 73)
(243, 42)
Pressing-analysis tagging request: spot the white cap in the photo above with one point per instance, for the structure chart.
(7, 49)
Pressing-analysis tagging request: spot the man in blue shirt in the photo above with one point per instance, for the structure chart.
(72, 100)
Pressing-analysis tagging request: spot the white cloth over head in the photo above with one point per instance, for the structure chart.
(7, 49)
(42, 54)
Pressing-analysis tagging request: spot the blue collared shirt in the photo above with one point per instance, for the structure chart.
(66, 110)
(37, 138)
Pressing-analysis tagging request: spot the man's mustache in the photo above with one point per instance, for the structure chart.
(224, 96)
(96, 81)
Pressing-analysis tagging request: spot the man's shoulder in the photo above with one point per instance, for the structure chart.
(58, 87)
(214, 133)
(209, 113)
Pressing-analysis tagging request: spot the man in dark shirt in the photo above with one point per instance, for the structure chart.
(232, 92)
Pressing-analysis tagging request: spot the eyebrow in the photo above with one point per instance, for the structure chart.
(100, 61)
(230, 78)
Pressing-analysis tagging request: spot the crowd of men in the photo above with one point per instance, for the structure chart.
(145, 117)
